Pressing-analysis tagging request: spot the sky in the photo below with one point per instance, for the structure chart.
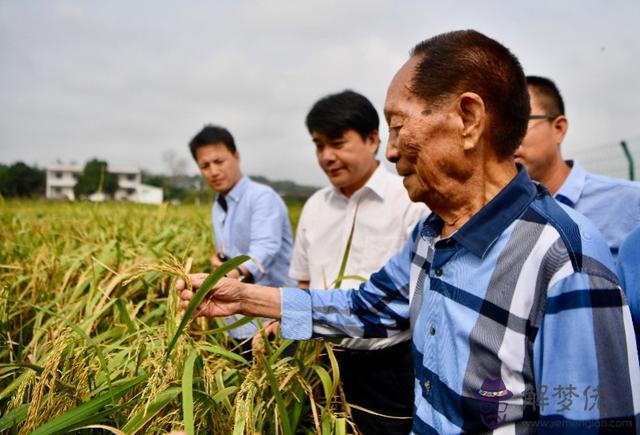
(133, 82)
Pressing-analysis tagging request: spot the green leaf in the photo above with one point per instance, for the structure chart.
(275, 389)
(187, 392)
(14, 417)
(14, 385)
(325, 379)
(224, 394)
(136, 422)
(243, 321)
(202, 292)
(335, 369)
(16, 366)
(353, 277)
(219, 350)
(347, 249)
(124, 315)
(83, 414)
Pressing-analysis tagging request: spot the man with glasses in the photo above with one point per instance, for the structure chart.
(612, 204)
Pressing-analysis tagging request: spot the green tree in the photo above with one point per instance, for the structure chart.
(20, 179)
(95, 178)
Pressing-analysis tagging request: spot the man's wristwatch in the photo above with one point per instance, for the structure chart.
(248, 278)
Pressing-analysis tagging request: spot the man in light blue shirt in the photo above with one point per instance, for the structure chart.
(518, 321)
(629, 273)
(247, 217)
(612, 204)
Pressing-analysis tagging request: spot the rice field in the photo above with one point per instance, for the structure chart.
(87, 315)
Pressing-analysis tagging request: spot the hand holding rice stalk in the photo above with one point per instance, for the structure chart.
(204, 284)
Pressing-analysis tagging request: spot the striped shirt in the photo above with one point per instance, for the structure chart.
(517, 320)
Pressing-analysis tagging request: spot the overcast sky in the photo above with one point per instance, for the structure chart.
(129, 81)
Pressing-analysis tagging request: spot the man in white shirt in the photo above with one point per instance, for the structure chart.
(377, 374)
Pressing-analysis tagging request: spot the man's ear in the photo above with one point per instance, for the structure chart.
(560, 126)
(472, 114)
(373, 140)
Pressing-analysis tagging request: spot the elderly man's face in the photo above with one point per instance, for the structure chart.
(424, 140)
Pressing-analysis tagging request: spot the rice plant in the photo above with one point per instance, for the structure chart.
(92, 337)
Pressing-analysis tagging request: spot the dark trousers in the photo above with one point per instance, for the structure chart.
(381, 381)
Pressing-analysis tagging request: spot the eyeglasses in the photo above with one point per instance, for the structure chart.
(548, 117)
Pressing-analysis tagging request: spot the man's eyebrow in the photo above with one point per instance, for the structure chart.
(390, 112)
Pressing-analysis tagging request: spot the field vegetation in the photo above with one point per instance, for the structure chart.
(87, 315)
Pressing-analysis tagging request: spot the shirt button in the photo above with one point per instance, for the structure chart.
(427, 386)
(432, 331)
(438, 271)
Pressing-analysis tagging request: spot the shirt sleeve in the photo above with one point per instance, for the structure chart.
(268, 215)
(378, 308)
(585, 362)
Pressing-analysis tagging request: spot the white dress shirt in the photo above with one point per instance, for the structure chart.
(385, 218)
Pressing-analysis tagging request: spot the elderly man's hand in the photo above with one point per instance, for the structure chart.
(223, 299)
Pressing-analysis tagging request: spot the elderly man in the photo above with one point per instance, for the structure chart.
(517, 319)
(612, 204)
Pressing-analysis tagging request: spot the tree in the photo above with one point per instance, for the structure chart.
(95, 178)
(20, 179)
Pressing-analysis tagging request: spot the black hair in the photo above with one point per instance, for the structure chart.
(212, 134)
(550, 97)
(334, 114)
(468, 61)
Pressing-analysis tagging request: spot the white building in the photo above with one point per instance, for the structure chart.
(61, 179)
(129, 179)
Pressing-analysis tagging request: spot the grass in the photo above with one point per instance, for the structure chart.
(91, 335)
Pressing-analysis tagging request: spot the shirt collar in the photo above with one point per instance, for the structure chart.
(484, 228)
(573, 186)
(238, 190)
(376, 183)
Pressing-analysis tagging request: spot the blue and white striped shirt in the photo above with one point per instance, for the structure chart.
(518, 321)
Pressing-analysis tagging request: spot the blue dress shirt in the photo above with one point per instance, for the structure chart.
(612, 204)
(517, 320)
(629, 273)
(257, 224)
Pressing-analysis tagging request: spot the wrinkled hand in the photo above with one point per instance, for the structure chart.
(223, 299)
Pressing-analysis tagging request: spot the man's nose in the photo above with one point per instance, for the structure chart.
(212, 171)
(327, 155)
(392, 152)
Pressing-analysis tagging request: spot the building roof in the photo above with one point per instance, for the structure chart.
(73, 167)
(123, 169)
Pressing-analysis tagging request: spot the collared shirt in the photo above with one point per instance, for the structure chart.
(384, 220)
(612, 204)
(512, 316)
(257, 224)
